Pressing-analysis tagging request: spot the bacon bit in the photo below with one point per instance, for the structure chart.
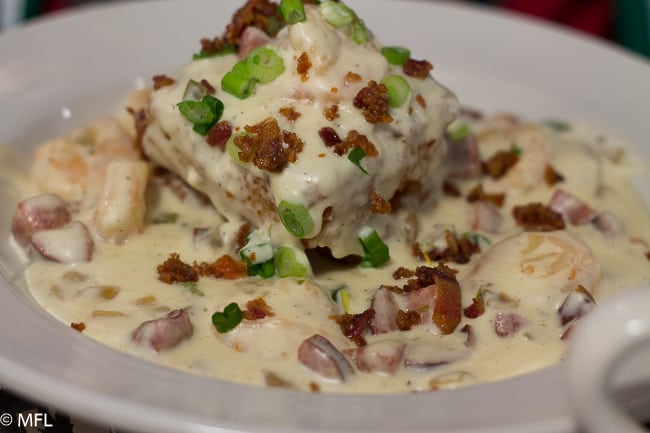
(290, 113)
(351, 78)
(262, 14)
(329, 136)
(421, 101)
(447, 294)
(294, 145)
(450, 189)
(354, 139)
(354, 325)
(331, 113)
(478, 194)
(303, 65)
(160, 81)
(174, 270)
(507, 324)
(263, 146)
(417, 68)
(378, 204)
(477, 308)
(551, 177)
(225, 267)
(141, 120)
(209, 87)
(214, 45)
(242, 234)
(405, 320)
(403, 272)
(321, 155)
(219, 134)
(334, 89)
(78, 326)
(373, 101)
(647, 255)
(314, 387)
(394, 289)
(537, 217)
(458, 250)
(499, 163)
(257, 309)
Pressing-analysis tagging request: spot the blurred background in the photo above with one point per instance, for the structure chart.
(624, 22)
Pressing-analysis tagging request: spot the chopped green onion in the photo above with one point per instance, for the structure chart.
(557, 125)
(396, 55)
(264, 64)
(258, 248)
(194, 91)
(398, 89)
(228, 319)
(165, 218)
(356, 155)
(342, 297)
(264, 270)
(232, 148)
(202, 114)
(225, 49)
(295, 218)
(238, 81)
(288, 263)
(460, 132)
(360, 33)
(192, 287)
(514, 148)
(337, 13)
(293, 11)
(376, 250)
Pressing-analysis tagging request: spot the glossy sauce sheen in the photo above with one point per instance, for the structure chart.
(526, 276)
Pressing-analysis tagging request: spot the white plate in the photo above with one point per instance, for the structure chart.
(62, 71)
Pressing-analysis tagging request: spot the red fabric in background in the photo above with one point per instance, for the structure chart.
(592, 16)
(54, 5)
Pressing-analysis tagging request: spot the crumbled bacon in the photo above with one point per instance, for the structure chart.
(263, 146)
(537, 217)
(213, 46)
(417, 68)
(78, 326)
(477, 308)
(354, 139)
(351, 78)
(262, 14)
(458, 250)
(331, 113)
(378, 204)
(421, 101)
(160, 81)
(257, 309)
(353, 326)
(174, 270)
(219, 134)
(507, 324)
(289, 113)
(142, 120)
(303, 65)
(329, 136)
(373, 101)
(450, 189)
(405, 320)
(242, 234)
(225, 267)
(499, 163)
(402, 272)
(208, 87)
(478, 194)
(551, 177)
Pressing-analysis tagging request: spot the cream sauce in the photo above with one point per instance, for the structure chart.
(525, 276)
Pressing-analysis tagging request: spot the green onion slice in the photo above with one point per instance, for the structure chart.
(460, 132)
(264, 64)
(264, 270)
(238, 81)
(293, 11)
(232, 148)
(295, 218)
(396, 55)
(356, 155)
(290, 262)
(194, 91)
(337, 13)
(376, 250)
(342, 297)
(202, 114)
(398, 89)
(193, 288)
(228, 319)
(360, 33)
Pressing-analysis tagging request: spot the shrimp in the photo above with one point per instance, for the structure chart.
(535, 268)
(73, 166)
(121, 208)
